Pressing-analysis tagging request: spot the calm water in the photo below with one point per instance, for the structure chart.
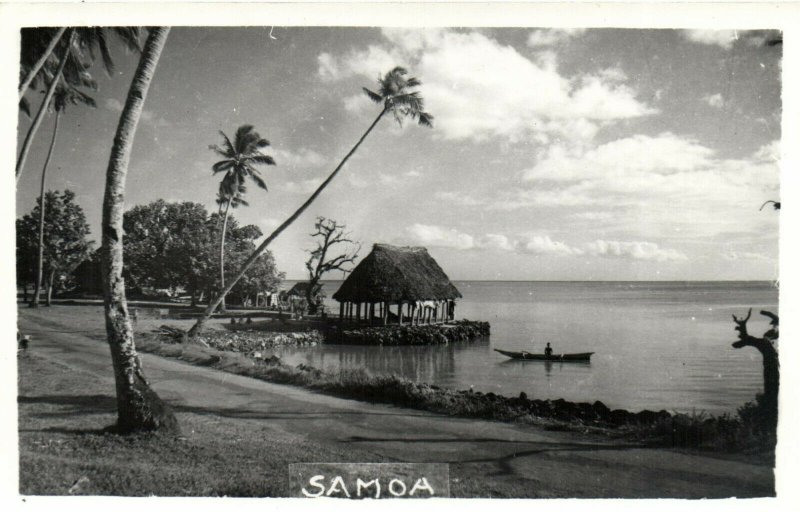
(657, 345)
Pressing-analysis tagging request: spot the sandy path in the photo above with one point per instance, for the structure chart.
(509, 457)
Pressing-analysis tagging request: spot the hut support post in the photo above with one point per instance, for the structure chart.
(341, 312)
(385, 312)
(400, 312)
(371, 312)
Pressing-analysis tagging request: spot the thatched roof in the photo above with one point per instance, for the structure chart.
(299, 289)
(391, 273)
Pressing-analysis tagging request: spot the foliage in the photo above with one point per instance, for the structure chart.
(174, 245)
(65, 236)
(328, 233)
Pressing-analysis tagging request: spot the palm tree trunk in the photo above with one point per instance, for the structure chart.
(138, 407)
(42, 207)
(50, 279)
(26, 144)
(26, 82)
(222, 252)
(198, 326)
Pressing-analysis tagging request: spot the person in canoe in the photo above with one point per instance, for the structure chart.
(548, 351)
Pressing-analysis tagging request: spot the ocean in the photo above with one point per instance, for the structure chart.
(657, 345)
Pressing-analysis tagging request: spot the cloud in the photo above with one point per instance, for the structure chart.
(722, 38)
(302, 186)
(679, 185)
(479, 88)
(633, 250)
(113, 104)
(551, 36)
(714, 100)
(437, 236)
(147, 117)
(301, 158)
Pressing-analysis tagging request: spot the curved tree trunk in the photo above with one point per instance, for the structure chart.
(198, 326)
(138, 407)
(42, 208)
(222, 252)
(769, 355)
(37, 121)
(26, 82)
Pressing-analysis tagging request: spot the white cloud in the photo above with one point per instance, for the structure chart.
(551, 36)
(714, 100)
(679, 186)
(147, 117)
(435, 236)
(544, 245)
(113, 104)
(302, 158)
(478, 88)
(633, 250)
(457, 198)
(302, 186)
(723, 38)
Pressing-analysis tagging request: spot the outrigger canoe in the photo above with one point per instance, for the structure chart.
(528, 356)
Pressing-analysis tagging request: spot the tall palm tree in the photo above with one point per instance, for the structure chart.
(64, 95)
(80, 47)
(240, 158)
(395, 95)
(138, 406)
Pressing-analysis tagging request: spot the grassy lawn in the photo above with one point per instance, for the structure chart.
(63, 450)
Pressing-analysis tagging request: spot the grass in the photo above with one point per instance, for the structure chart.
(64, 451)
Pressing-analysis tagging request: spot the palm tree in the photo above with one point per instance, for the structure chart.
(64, 95)
(80, 48)
(240, 158)
(138, 406)
(395, 96)
(37, 60)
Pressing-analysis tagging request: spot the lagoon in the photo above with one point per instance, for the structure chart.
(658, 345)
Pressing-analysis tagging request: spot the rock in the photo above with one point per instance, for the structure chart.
(78, 485)
(523, 395)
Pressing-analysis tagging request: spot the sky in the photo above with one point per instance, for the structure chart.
(556, 154)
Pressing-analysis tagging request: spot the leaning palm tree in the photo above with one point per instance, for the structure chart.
(240, 158)
(80, 47)
(64, 95)
(395, 95)
(138, 407)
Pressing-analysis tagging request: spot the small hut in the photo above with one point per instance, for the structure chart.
(397, 285)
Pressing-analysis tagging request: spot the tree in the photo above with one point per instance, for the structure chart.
(769, 354)
(64, 244)
(328, 234)
(395, 96)
(240, 158)
(161, 242)
(79, 47)
(139, 408)
(65, 95)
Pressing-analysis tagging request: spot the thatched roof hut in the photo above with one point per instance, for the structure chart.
(400, 276)
(298, 290)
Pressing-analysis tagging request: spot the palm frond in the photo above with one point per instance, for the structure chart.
(425, 119)
(413, 82)
(218, 150)
(259, 182)
(262, 159)
(262, 143)
(222, 166)
(374, 96)
(129, 37)
(240, 139)
(231, 151)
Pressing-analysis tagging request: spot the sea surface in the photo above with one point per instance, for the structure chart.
(657, 345)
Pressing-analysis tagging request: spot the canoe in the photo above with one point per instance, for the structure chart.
(528, 356)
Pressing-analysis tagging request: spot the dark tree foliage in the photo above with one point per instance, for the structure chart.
(65, 240)
(174, 246)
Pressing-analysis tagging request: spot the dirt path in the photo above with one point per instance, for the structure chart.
(509, 460)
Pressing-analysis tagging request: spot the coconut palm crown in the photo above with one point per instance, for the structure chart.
(395, 95)
(240, 158)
